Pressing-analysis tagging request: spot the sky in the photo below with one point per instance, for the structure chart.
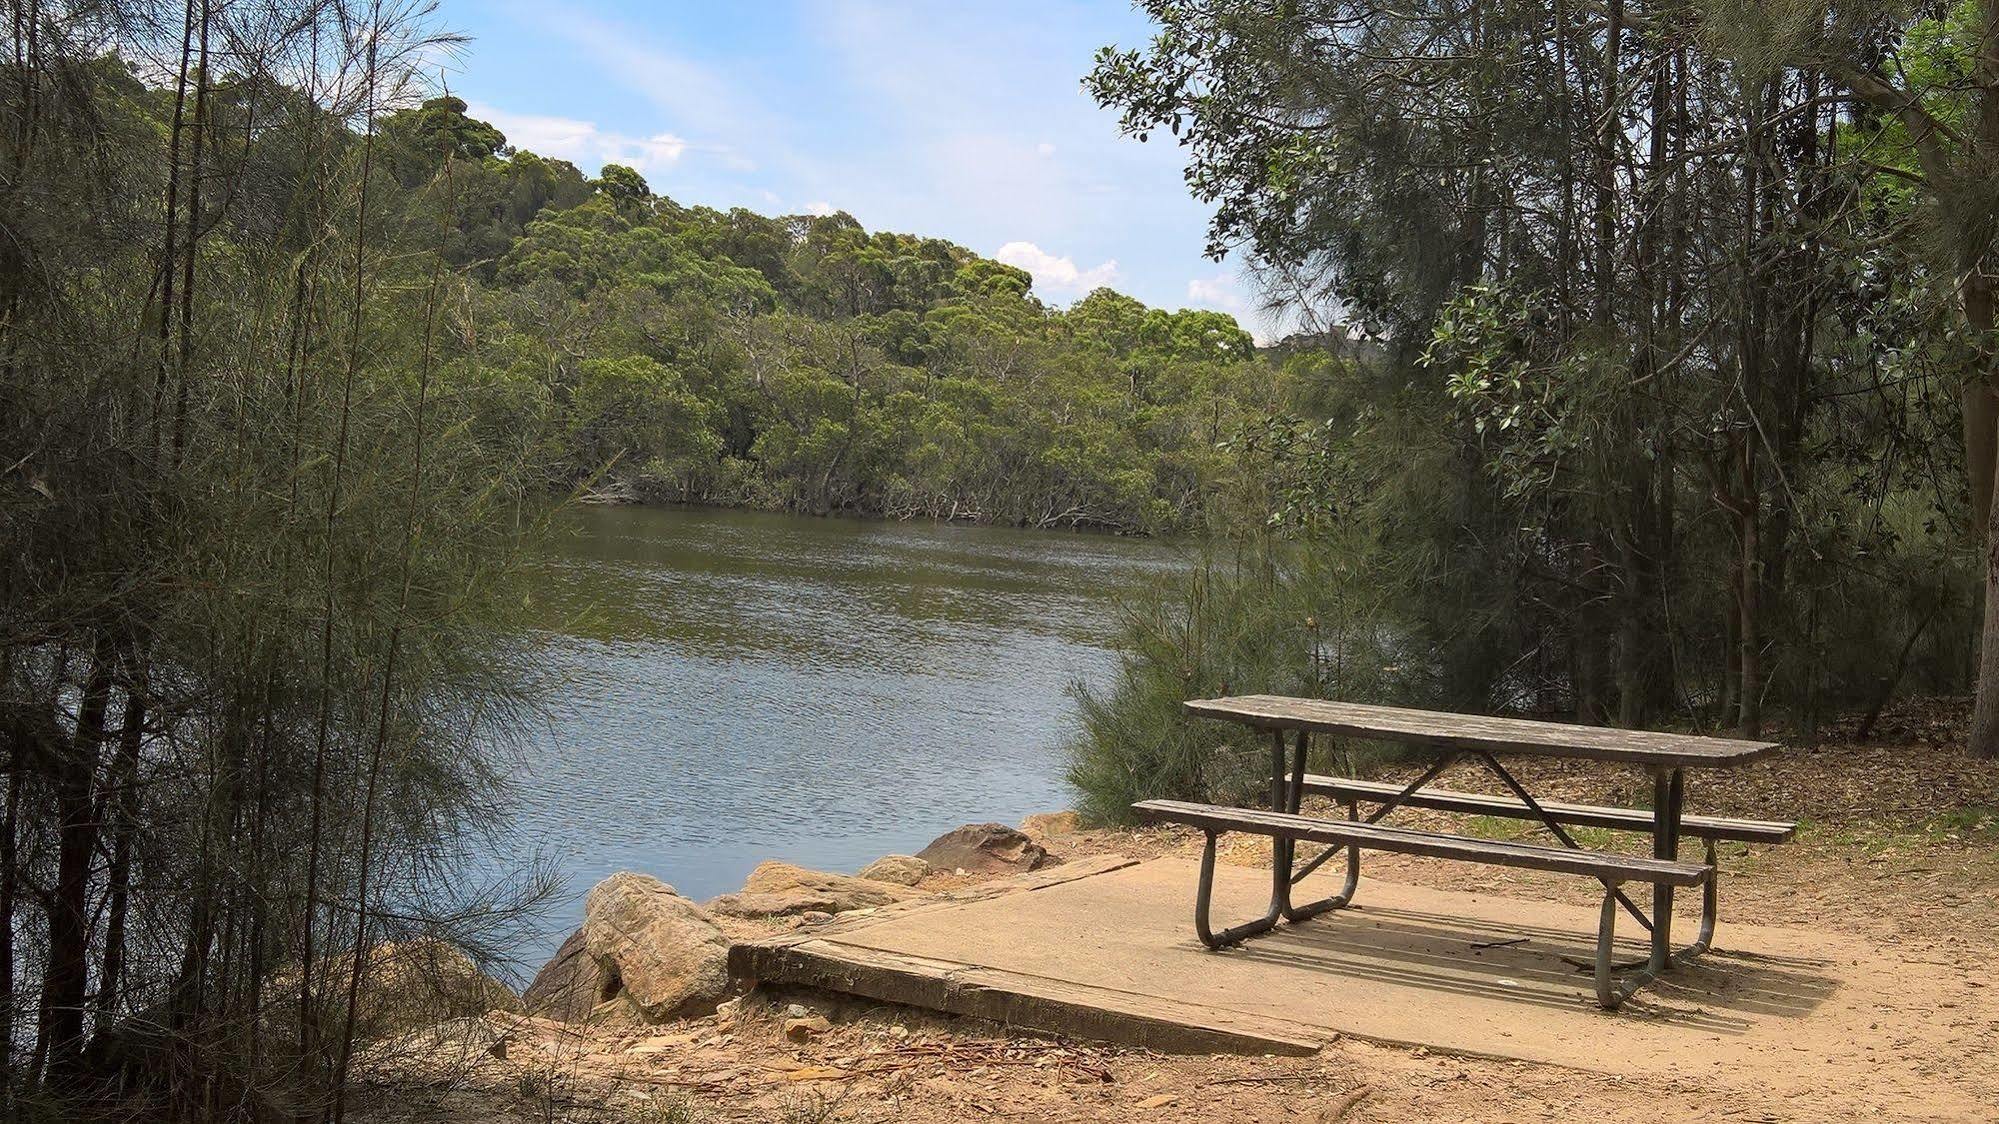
(958, 120)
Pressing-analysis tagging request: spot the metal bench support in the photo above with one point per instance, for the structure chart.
(1287, 794)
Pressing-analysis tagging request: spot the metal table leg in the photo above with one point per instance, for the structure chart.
(1287, 794)
(1280, 866)
(1295, 874)
(1668, 797)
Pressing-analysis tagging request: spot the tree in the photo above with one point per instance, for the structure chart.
(1636, 270)
(1935, 84)
(623, 184)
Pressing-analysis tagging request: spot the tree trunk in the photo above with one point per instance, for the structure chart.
(125, 798)
(66, 980)
(1981, 408)
(1978, 310)
(1749, 715)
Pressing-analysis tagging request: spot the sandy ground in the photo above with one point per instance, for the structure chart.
(1899, 847)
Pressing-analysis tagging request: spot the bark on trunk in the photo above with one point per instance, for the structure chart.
(1981, 409)
(1749, 716)
(66, 981)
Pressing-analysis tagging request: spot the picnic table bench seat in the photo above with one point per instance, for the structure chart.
(1727, 828)
(1286, 829)
(1604, 865)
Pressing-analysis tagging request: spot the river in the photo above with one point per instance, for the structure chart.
(721, 688)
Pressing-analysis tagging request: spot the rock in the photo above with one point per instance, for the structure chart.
(568, 986)
(438, 1053)
(778, 889)
(815, 917)
(986, 848)
(1047, 825)
(807, 1028)
(662, 957)
(417, 983)
(903, 870)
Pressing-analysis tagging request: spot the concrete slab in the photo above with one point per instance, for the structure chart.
(1108, 952)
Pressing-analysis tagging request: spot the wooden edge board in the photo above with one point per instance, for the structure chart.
(1032, 1003)
(1588, 815)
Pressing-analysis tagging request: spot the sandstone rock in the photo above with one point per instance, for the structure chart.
(661, 955)
(568, 986)
(416, 983)
(903, 870)
(778, 889)
(1047, 825)
(444, 1052)
(986, 848)
(807, 1028)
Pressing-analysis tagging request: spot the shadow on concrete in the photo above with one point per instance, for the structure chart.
(1457, 955)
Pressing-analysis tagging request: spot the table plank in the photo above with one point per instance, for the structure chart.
(1471, 731)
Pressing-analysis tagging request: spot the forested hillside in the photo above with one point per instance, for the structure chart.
(657, 351)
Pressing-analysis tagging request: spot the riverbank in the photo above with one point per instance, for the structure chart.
(1899, 841)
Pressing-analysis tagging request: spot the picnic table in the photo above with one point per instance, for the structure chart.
(1436, 740)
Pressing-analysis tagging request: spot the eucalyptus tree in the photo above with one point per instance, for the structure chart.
(1928, 77)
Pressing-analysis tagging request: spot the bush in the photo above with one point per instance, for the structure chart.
(1273, 619)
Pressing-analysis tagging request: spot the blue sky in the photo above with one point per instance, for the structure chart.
(956, 120)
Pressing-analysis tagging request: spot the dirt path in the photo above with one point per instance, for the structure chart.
(1899, 847)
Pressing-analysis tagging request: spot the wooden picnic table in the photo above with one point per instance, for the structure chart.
(1444, 738)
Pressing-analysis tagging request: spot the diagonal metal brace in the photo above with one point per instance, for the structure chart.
(1520, 792)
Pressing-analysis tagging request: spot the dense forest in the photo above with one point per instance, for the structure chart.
(1685, 407)
(653, 351)
(1649, 382)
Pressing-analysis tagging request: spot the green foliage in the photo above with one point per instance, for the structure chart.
(817, 367)
(258, 533)
(1646, 410)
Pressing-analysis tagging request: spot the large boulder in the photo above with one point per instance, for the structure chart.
(569, 986)
(779, 889)
(660, 955)
(903, 870)
(986, 848)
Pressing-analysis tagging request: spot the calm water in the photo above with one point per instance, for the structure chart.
(725, 688)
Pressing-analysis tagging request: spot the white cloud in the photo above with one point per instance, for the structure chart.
(1219, 293)
(1044, 149)
(1223, 293)
(1057, 276)
(699, 97)
(582, 142)
(820, 208)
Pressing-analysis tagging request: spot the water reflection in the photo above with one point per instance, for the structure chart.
(727, 687)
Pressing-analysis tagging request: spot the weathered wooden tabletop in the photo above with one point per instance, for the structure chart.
(1473, 732)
